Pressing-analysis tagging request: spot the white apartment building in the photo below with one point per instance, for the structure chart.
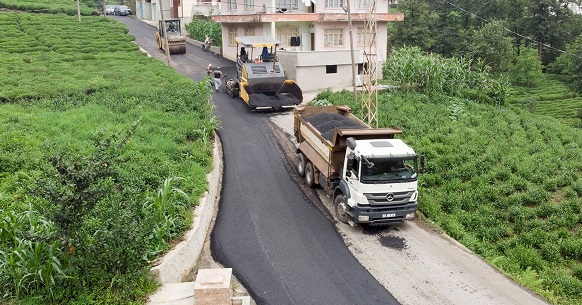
(314, 36)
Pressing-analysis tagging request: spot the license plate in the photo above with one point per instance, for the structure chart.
(388, 215)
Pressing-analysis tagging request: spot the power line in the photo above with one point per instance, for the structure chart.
(512, 32)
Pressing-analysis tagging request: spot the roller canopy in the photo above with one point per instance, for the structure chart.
(257, 41)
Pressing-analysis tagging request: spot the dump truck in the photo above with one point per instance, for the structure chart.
(370, 175)
(260, 80)
(176, 42)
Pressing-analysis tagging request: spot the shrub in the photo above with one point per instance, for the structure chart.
(526, 257)
(571, 248)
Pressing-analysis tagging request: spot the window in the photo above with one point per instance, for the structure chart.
(249, 31)
(364, 37)
(330, 69)
(249, 5)
(232, 5)
(232, 33)
(333, 37)
(333, 3)
(365, 4)
(284, 35)
(355, 166)
(288, 4)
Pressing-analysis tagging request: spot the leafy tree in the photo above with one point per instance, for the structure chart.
(415, 30)
(527, 69)
(546, 20)
(452, 34)
(493, 46)
(570, 63)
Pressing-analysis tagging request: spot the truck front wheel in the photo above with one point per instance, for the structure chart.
(301, 165)
(309, 177)
(341, 208)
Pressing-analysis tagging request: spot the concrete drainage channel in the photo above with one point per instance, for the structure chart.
(212, 286)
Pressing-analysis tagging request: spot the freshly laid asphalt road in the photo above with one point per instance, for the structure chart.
(280, 246)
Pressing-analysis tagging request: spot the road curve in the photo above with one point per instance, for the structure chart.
(280, 246)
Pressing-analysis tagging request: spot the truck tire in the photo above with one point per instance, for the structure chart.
(301, 164)
(341, 208)
(309, 175)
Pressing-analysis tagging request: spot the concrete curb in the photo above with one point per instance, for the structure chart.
(213, 49)
(181, 260)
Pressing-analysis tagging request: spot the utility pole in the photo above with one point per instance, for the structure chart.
(348, 10)
(166, 47)
(370, 83)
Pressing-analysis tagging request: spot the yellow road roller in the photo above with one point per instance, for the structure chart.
(176, 42)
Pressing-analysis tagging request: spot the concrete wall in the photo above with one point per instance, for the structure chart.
(308, 69)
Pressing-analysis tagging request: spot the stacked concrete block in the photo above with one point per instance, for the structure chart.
(212, 287)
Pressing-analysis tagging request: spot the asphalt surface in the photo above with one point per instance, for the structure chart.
(280, 245)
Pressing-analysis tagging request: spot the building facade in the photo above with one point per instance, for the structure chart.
(315, 40)
(184, 9)
(314, 36)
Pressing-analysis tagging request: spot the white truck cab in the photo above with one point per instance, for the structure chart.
(381, 179)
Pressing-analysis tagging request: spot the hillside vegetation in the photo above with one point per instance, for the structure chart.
(104, 153)
(504, 182)
(550, 97)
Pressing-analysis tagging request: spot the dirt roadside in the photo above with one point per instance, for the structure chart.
(416, 264)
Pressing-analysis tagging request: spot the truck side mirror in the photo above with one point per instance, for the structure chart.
(422, 164)
(351, 143)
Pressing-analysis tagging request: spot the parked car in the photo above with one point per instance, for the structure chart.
(109, 9)
(121, 10)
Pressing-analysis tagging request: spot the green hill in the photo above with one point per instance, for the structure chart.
(550, 97)
(504, 182)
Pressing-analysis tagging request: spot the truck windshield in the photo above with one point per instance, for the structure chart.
(389, 170)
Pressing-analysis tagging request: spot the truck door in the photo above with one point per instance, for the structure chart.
(353, 176)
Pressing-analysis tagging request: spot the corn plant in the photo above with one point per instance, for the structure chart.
(31, 256)
(167, 207)
(200, 27)
(411, 69)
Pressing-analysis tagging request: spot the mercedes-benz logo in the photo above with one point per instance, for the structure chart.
(389, 196)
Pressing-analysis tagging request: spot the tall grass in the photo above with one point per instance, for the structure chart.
(432, 74)
(30, 254)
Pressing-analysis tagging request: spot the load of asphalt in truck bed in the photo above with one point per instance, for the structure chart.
(327, 122)
(276, 101)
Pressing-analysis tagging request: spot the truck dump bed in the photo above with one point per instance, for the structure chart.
(321, 132)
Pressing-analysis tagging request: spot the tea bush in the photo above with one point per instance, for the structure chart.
(94, 137)
(68, 7)
(502, 181)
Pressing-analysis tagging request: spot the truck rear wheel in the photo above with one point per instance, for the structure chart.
(301, 165)
(341, 208)
(309, 176)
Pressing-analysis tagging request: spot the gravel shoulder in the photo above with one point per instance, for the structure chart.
(415, 263)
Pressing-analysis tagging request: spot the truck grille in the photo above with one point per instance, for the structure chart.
(397, 198)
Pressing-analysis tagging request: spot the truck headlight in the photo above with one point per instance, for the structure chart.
(414, 196)
(409, 216)
(363, 218)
